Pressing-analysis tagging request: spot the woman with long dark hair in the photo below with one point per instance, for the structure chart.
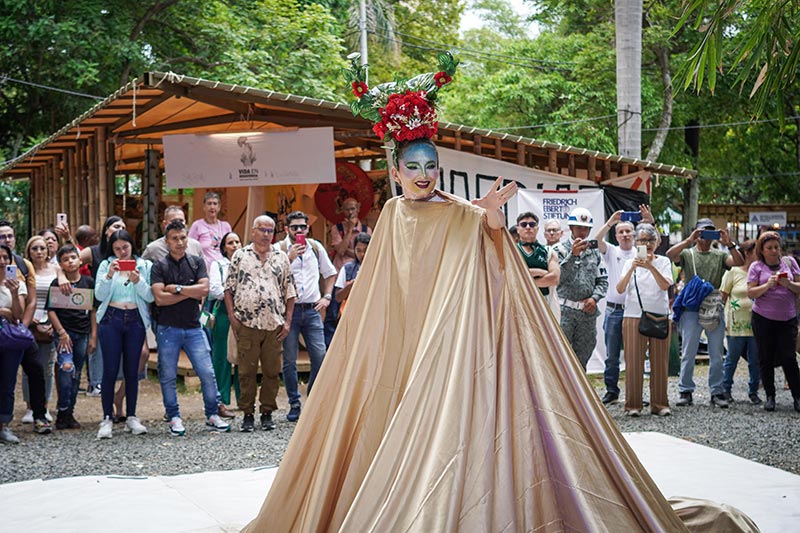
(12, 304)
(123, 290)
(773, 284)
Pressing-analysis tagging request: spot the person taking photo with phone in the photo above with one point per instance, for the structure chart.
(583, 283)
(696, 258)
(123, 290)
(773, 283)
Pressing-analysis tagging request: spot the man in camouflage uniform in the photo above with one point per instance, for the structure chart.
(584, 282)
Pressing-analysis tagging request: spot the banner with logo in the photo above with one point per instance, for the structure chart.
(250, 159)
(558, 204)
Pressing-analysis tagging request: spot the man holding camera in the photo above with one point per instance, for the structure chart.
(614, 257)
(583, 283)
(696, 257)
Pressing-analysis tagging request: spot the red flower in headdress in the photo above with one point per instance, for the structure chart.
(407, 116)
(359, 88)
(442, 78)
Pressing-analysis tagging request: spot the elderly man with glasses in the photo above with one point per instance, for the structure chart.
(259, 297)
(309, 262)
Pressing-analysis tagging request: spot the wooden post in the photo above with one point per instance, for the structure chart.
(91, 184)
(498, 149)
(521, 154)
(606, 170)
(105, 204)
(591, 168)
(457, 143)
(571, 165)
(552, 161)
(69, 184)
(476, 146)
(150, 190)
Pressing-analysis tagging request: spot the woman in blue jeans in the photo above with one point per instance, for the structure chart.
(738, 316)
(123, 289)
(12, 303)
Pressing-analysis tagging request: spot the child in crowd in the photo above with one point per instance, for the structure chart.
(77, 333)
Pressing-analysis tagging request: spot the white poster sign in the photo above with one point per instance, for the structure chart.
(470, 176)
(768, 218)
(250, 159)
(558, 204)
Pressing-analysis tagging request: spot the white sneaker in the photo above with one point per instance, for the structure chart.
(7, 437)
(215, 423)
(105, 428)
(28, 418)
(176, 428)
(48, 416)
(133, 425)
(94, 392)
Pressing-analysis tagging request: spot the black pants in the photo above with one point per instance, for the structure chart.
(776, 344)
(34, 369)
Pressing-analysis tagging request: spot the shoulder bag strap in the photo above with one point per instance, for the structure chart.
(635, 284)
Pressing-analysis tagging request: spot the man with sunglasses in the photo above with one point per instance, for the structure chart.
(309, 261)
(541, 262)
(614, 257)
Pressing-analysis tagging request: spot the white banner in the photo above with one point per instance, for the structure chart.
(250, 159)
(558, 204)
(768, 218)
(470, 176)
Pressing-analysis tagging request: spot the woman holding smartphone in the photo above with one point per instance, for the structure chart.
(123, 289)
(773, 283)
(12, 303)
(645, 282)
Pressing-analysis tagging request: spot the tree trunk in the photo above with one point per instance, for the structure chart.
(662, 52)
(628, 20)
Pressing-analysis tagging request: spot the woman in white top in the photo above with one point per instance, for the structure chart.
(12, 303)
(653, 277)
(219, 333)
(39, 255)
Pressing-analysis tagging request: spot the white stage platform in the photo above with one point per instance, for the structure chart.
(225, 501)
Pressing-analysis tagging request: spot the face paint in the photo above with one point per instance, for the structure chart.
(417, 171)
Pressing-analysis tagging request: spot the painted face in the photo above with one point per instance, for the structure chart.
(70, 262)
(177, 240)
(211, 207)
(297, 226)
(116, 226)
(580, 232)
(37, 251)
(772, 251)
(624, 235)
(527, 228)
(7, 236)
(552, 233)
(262, 235)
(418, 172)
(122, 249)
(232, 243)
(361, 250)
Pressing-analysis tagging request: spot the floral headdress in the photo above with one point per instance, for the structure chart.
(403, 110)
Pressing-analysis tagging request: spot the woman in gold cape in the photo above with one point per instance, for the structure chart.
(449, 399)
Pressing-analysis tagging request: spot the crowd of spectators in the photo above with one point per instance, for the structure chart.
(90, 300)
(741, 297)
(233, 307)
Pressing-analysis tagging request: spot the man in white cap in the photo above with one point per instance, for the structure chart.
(584, 282)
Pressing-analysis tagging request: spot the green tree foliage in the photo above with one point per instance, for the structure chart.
(94, 46)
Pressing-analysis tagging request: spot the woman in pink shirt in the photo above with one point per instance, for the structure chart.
(773, 282)
(210, 229)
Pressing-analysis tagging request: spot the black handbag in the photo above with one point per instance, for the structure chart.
(651, 325)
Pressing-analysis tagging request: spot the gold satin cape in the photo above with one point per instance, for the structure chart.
(449, 400)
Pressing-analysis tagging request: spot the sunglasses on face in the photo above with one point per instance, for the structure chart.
(528, 224)
(298, 227)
